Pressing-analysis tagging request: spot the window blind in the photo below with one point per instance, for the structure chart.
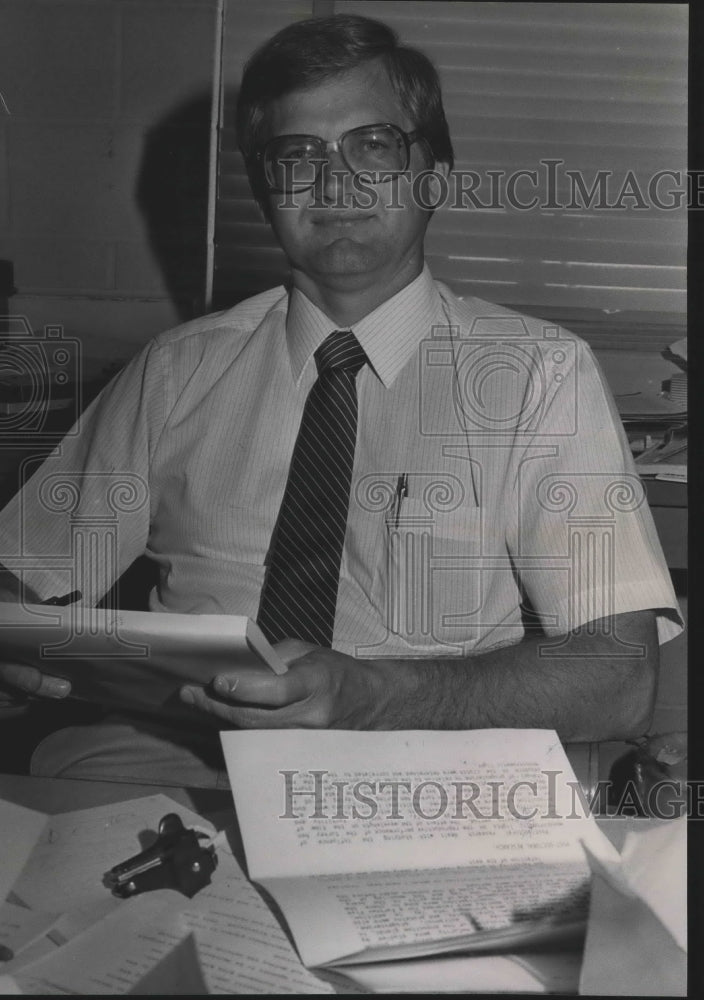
(247, 259)
(588, 101)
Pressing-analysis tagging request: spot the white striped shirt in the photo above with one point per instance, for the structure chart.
(520, 479)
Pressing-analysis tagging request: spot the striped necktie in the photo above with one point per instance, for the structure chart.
(300, 590)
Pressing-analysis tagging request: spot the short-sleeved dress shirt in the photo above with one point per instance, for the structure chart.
(521, 490)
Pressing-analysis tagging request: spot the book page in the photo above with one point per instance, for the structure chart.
(381, 915)
(240, 946)
(133, 659)
(315, 802)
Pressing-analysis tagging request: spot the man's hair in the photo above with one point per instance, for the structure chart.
(308, 52)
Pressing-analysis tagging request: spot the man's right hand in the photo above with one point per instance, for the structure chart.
(18, 680)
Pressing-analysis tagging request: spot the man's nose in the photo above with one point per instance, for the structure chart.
(335, 177)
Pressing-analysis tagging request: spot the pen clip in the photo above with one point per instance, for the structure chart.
(65, 599)
(401, 492)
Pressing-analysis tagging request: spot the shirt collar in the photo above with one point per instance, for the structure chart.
(389, 335)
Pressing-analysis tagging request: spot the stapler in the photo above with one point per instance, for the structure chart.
(176, 860)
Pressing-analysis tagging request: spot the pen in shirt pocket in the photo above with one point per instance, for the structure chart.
(60, 602)
(401, 492)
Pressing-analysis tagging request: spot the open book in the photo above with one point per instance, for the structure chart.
(132, 659)
(396, 845)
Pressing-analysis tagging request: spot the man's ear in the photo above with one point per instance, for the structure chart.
(442, 168)
(436, 181)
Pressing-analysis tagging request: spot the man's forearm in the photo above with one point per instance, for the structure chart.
(597, 684)
(593, 687)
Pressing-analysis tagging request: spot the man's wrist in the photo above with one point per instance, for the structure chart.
(402, 692)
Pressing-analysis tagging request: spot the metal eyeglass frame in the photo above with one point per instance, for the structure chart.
(336, 146)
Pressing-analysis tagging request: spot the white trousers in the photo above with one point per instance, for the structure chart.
(135, 751)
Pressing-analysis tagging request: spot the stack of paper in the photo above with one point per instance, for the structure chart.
(70, 935)
(401, 862)
(637, 938)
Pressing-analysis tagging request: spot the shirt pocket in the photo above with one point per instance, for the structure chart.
(428, 580)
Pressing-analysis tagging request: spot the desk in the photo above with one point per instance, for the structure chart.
(62, 795)
(58, 795)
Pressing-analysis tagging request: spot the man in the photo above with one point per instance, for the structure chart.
(490, 472)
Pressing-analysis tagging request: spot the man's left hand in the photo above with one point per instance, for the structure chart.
(322, 689)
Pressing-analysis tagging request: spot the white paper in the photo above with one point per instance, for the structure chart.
(240, 946)
(110, 958)
(74, 850)
(21, 927)
(389, 915)
(413, 875)
(547, 973)
(654, 866)
(507, 792)
(177, 974)
(636, 935)
(35, 951)
(19, 828)
(133, 659)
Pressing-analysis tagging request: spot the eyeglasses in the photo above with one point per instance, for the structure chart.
(293, 162)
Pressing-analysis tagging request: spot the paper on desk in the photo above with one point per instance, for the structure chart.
(240, 946)
(177, 974)
(546, 973)
(35, 951)
(26, 826)
(636, 935)
(666, 472)
(21, 927)
(72, 852)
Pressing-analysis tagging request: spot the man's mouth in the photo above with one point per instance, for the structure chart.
(342, 220)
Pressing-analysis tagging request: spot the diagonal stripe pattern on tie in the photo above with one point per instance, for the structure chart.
(300, 590)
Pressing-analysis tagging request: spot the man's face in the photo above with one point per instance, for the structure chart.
(329, 233)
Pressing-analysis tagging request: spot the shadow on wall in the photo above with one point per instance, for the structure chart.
(172, 195)
(248, 259)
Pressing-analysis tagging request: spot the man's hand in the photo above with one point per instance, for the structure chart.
(598, 685)
(18, 680)
(322, 689)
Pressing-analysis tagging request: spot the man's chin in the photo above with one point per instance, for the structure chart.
(347, 256)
